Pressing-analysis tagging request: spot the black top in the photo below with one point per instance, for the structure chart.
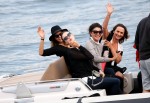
(142, 38)
(79, 61)
(111, 63)
(59, 50)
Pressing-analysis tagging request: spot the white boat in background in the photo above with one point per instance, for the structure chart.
(56, 86)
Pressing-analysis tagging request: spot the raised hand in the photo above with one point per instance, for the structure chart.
(110, 8)
(41, 32)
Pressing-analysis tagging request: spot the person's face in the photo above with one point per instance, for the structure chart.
(118, 33)
(68, 37)
(58, 37)
(96, 34)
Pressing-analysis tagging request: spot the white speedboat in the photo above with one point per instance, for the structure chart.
(56, 86)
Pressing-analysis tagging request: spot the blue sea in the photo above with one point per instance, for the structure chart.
(19, 20)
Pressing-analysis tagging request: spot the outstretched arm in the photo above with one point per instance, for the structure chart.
(42, 35)
(110, 9)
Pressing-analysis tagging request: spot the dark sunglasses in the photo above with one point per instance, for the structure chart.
(57, 35)
(66, 37)
(96, 32)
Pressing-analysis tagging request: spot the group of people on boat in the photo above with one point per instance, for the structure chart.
(102, 47)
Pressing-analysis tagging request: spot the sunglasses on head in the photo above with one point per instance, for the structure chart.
(66, 37)
(57, 35)
(96, 32)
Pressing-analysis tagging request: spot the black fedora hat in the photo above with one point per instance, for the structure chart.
(54, 30)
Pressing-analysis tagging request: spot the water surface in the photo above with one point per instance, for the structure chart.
(19, 20)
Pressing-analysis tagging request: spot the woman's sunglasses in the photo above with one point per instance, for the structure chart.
(57, 35)
(97, 32)
(66, 37)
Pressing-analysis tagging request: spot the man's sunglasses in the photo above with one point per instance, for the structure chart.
(96, 32)
(66, 37)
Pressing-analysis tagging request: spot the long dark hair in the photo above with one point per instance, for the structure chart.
(53, 41)
(126, 35)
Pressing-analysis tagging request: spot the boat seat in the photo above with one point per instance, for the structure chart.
(56, 70)
(128, 82)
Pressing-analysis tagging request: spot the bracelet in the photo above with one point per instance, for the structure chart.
(42, 39)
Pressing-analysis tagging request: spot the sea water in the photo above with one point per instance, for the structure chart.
(19, 19)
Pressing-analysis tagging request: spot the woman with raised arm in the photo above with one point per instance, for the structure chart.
(116, 37)
(57, 47)
(56, 41)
